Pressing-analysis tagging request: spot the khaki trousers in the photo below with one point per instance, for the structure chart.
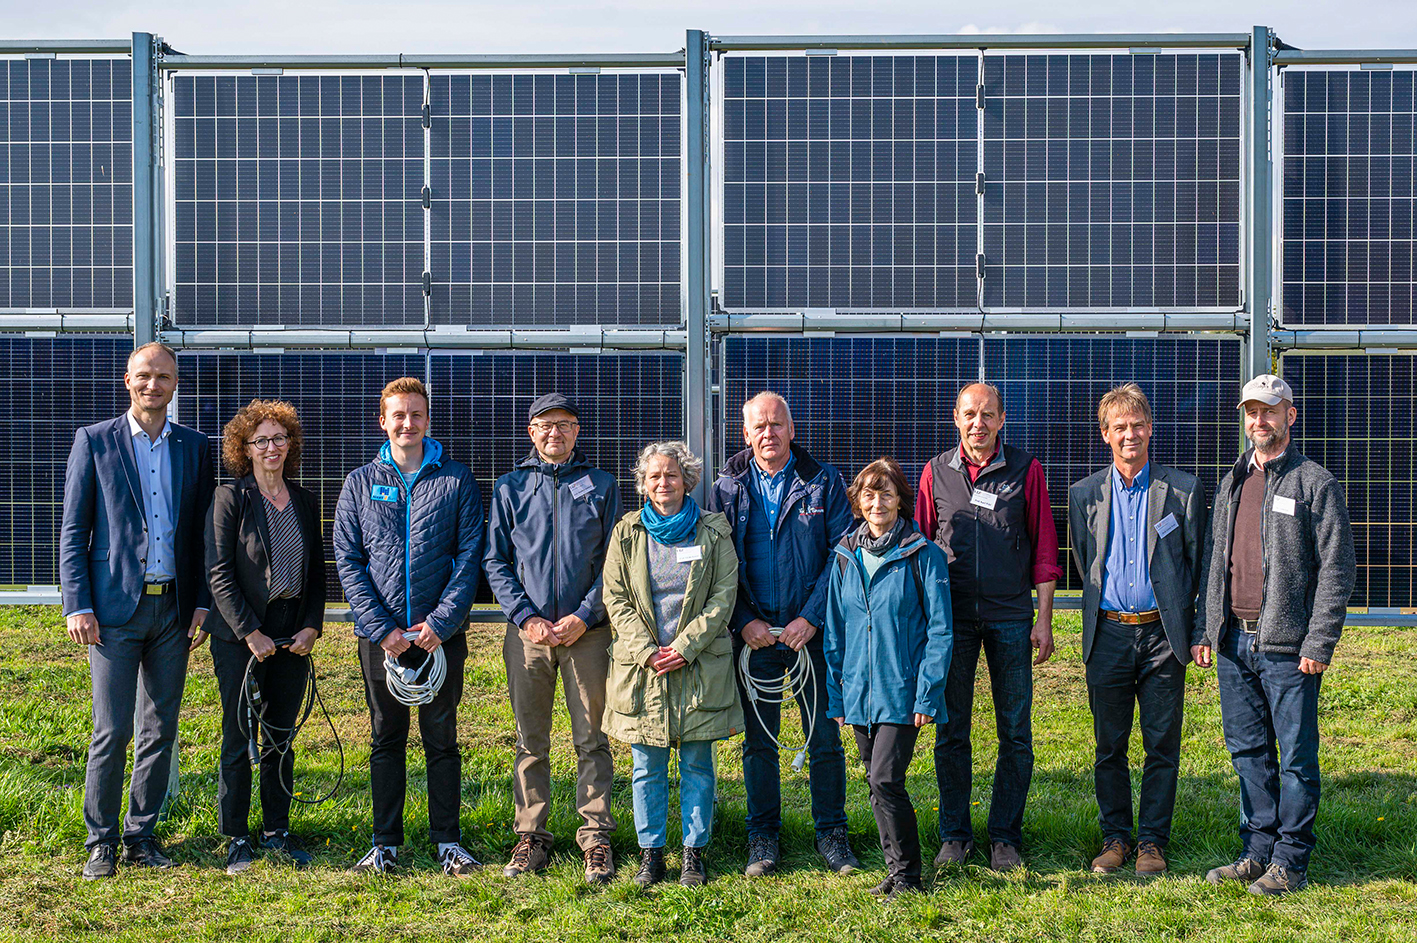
(531, 676)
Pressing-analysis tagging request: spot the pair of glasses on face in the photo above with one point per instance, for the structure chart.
(264, 442)
(564, 427)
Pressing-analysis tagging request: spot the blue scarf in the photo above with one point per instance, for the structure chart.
(671, 530)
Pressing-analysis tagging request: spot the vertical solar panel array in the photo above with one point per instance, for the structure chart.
(71, 382)
(848, 182)
(556, 199)
(1112, 181)
(1356, 418)
(66, 183)
(1349, 202)
(299, 200)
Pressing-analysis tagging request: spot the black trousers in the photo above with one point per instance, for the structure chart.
(388, 748)
(281, 678)
(887, 750)
(1133, 665)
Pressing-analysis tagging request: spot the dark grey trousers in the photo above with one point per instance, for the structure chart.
(141, 664)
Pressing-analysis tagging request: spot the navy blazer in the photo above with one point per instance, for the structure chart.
(103, 542)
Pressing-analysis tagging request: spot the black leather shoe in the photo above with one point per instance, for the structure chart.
(652, 868)
(834, 848)
(762, 855)
(146, 853)
(692, 872)
(287, 844)
(102, 863)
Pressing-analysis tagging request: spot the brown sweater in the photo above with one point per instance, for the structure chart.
(1247, 549)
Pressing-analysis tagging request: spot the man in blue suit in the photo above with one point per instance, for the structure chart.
(130, 567)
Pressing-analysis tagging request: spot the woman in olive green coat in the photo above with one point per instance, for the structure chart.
(671, 577)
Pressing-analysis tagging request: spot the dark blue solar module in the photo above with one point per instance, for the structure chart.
(855, 399)
(1349, 203)
(1356, 418)
(848, 182)
(478, 408)
(66, 183)
(299, 199)
(556, 199)
(72, 382)
(1112, 181)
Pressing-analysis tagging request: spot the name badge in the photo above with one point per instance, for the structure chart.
(689, 554)
(1283, 505)
(582, 487)
(385, 493)
(1166, 525)
(984, 499)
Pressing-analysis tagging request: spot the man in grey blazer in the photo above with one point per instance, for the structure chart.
(1137, 537)
(136, 492)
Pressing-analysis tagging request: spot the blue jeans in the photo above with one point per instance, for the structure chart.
(697, 788)
(1270, 713)
(762, 772)
(1009, 654)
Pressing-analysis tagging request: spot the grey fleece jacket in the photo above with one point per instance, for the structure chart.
(1309, 567)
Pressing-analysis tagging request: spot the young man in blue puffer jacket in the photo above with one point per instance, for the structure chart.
(408, 543)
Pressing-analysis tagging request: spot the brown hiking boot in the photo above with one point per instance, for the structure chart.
(1004, 857)
(953, 852)
(1278, 880)
(1115, 853)
(527, 856)
(1243, 868)
(1150, 861)
(599, 864)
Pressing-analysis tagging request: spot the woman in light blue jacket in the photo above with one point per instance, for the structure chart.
(887, 644)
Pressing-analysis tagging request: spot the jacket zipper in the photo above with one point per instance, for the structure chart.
(555, 541)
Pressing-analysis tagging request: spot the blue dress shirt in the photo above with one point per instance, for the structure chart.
(154, 460)
(1126, 578)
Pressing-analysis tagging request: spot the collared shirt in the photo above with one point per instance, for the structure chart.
(154, 460)
(771, 488)
(1126, 578)
(770, 492)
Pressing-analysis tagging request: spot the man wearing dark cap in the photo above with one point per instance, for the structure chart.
(550, 520)
(1278, 571)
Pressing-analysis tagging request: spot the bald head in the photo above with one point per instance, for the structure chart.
(979, 415)
(981, 390)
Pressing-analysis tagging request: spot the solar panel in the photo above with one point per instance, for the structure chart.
(71, 382)
(1112, 180)
(66, 183)
(299, 199)
(848, 182)
(556, 199)
(1349, 202)
(1356, 419)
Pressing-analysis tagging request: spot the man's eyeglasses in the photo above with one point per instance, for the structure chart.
(264, 442)
(564, 426)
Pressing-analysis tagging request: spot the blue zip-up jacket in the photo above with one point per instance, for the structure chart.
(405, 555)
(547, 531)
(814, 515)
(887, 657)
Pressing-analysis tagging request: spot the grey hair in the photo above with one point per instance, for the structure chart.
(690, 465)
(986, 387)
(767, 396)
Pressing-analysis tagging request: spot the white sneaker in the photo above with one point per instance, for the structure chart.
(379, 860)
(457, 862)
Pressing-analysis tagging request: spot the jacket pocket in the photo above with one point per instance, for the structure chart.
(625, 688)
(713, 688)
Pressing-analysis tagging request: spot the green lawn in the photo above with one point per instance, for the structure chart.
(1364, 873)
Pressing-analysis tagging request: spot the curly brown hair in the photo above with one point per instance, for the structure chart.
(244, 423)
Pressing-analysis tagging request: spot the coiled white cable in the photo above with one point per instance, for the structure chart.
(404, 683)
(800, 676)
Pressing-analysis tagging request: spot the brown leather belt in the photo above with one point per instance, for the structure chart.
(1133, 618)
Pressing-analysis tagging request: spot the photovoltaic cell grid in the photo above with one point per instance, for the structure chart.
(1349, 202)
(1112, 181)
(73, 382)
(855, 399)
(299, 199)
(1356, 419)
(848, 182)
(66, 183)
(556, 199)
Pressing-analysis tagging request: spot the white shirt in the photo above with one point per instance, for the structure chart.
(154, 460)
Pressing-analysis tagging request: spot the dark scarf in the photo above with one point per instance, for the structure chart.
(882, 545)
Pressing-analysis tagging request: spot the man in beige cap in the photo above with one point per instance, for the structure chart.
(1279, 569)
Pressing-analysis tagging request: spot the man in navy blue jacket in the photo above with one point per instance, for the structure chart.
(787, 512)
(130, 567)
(408, 538)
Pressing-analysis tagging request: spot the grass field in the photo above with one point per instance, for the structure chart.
(1364, 873)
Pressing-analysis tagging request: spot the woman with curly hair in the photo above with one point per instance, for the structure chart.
(266, 568)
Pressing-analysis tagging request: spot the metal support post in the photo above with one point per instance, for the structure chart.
(146, 284)
(697, 422)
(1259, 291)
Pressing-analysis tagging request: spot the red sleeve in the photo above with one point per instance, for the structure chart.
(1041, 529)
(925, 504)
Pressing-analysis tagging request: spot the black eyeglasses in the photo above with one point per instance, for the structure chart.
(564, 426)
(266, 441)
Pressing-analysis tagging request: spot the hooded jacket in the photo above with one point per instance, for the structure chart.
(405, 555)
(547, 530)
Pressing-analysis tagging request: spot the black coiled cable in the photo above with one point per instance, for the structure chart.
(250, 718)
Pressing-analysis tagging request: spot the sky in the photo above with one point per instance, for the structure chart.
(558, 26)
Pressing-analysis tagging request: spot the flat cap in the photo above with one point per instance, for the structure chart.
(550, 401)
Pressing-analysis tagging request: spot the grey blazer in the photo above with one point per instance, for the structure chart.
(1174, 561)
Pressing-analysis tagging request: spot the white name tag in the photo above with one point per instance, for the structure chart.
(1283, 505)
(1166, 525)
(689, 554)
(984, 499)
(582, 487)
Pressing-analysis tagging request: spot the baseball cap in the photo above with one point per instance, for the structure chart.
(550, 401)
(1268, 389)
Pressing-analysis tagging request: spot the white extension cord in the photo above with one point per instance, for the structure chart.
(404, 683)
(800, 676)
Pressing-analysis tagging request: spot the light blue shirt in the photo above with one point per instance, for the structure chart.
(154, 460)
(1126, 578)
(772, 488)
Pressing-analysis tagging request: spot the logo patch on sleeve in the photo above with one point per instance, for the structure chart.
(384, 493)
